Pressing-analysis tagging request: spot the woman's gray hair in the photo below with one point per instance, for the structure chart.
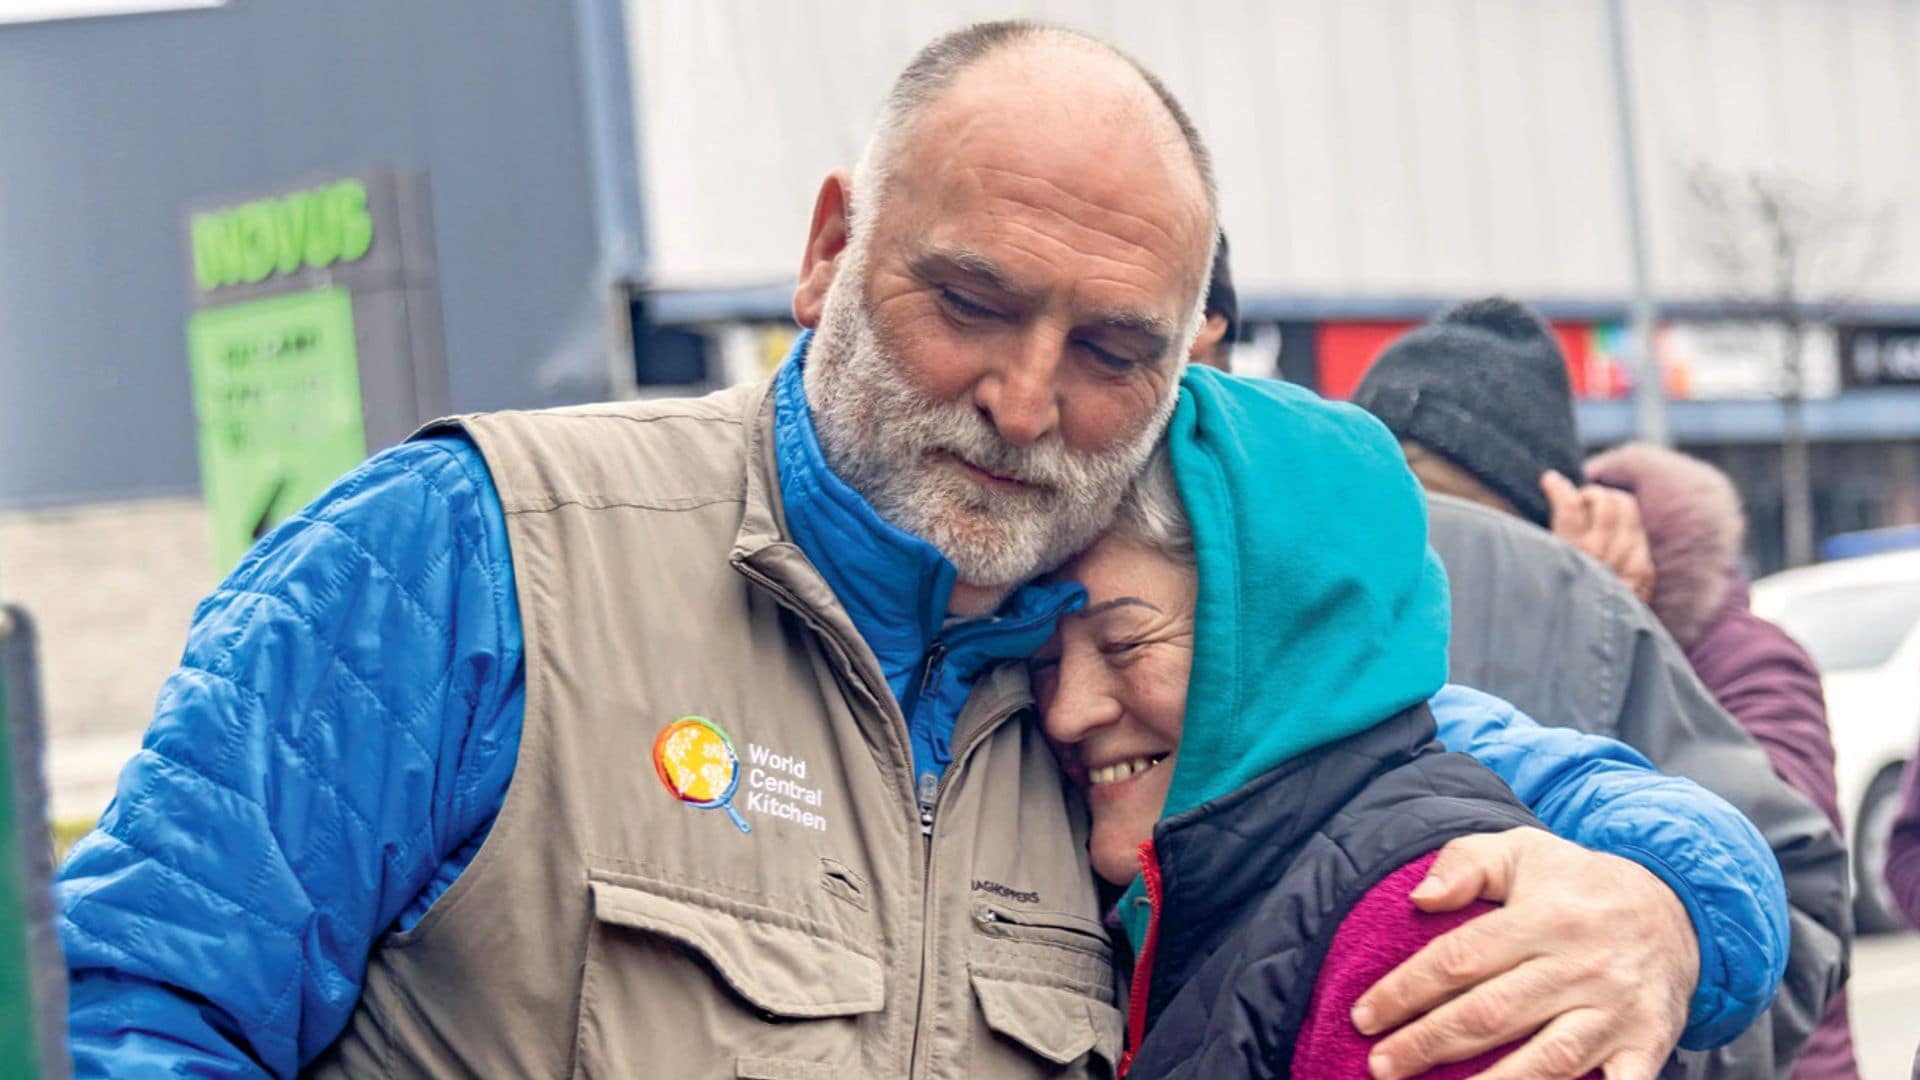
(1152, 515)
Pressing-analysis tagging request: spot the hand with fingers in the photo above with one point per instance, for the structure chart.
(1591, 959)
(1605, 523)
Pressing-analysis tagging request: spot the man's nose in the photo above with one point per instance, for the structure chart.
(1021, 395)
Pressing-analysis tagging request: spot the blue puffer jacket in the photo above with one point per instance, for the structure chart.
(343, 725)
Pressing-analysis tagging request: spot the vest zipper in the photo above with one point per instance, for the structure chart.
(928, 893)
(929, 801)
(1143, 967)
(1060, 931)
(929, 786)
(929, 795)
(929, 671)
(927, 808)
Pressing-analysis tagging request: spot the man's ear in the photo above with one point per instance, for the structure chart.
(1206, 347)
(826, 238)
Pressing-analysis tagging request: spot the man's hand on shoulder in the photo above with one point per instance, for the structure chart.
(1590, 955)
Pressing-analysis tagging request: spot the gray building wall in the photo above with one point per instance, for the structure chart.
(109, 126)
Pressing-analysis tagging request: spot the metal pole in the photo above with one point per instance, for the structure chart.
(1649, 396)
(613, 160)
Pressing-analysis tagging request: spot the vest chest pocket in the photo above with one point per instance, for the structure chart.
(1044, 983)
(685, 983)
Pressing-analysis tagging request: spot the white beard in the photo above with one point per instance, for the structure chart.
(889, 441)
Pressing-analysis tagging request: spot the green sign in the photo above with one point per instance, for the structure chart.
(254, 241)
(18, 1056)
(276, 387)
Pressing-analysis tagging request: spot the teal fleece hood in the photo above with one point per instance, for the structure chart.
(1320, 608)
(1321, 611)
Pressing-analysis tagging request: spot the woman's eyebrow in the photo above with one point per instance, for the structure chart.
(1105, 606)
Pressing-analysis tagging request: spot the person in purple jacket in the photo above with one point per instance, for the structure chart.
(1694, 528)
(1903, 857)
(1903, 847)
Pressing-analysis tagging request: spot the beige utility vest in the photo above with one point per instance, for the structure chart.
(607, 928)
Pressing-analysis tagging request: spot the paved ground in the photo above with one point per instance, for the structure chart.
(1886, 1005)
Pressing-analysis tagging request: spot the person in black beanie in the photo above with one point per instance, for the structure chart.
(1222, 327)
(1484, 388)
(1481, 403)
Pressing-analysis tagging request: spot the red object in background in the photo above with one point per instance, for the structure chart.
(1347, 349)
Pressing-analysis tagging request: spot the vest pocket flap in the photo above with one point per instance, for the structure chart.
(780, 963)
(1057, 1024)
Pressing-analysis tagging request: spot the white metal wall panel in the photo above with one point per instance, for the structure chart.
(1822, 92)
(1366, 148)
(1298, 187)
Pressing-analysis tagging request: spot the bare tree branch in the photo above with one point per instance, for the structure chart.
(1807, 251)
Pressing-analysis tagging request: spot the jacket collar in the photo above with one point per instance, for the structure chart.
(894, 584)
(889, 587)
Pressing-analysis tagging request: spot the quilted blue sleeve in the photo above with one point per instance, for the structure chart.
(1604, 795)
(343, 722)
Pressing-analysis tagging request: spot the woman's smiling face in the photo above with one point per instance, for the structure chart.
(1112, 687)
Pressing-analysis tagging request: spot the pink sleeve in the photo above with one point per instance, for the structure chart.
(1382, 930)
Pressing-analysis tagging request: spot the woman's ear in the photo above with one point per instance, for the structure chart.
(827, 238)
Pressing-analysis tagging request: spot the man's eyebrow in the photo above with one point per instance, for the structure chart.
(930, 263)
(1105, 606)
(1157, 329)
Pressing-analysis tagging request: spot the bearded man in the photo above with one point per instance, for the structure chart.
(690, 738)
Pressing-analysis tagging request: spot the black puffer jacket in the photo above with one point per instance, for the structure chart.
(1252, 886)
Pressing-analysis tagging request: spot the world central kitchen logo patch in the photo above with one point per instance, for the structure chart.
(697, 764)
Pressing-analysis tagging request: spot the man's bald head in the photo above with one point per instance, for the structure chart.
(938, 66)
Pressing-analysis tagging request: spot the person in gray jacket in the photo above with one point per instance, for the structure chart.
(1481, 401)
(1539, 623)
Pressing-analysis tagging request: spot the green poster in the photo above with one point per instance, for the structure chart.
(276, 387)
(17, 1052)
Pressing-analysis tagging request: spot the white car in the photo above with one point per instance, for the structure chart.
(1860, 618)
